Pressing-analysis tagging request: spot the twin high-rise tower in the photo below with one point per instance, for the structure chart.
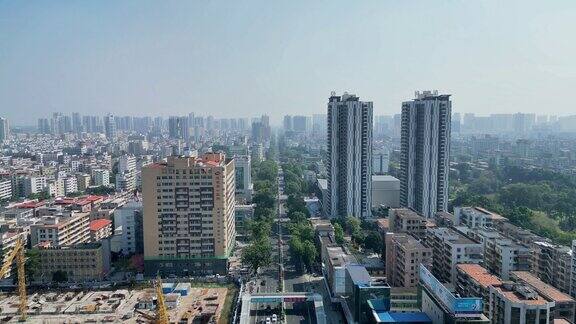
(424, 157)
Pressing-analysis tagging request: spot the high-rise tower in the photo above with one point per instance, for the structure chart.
(349, 159)
(425, 153)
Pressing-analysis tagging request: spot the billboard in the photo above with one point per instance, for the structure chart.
(460, 307)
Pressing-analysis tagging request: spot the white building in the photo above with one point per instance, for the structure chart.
(110, 127)
(128, 228)
(380, 161)
(243, 171)
(4, 130)
(101, 177)
(70, 185)
(56, 188)
(126, 163)
(449, 248)
(34, 185)
(5, 189)
(126, 181)
(349, 160)
(474, 217)
(425, 150)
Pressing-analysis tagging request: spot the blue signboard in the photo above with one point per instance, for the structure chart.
(460, 307)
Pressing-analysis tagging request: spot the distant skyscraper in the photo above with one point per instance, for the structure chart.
(349, 160)
(456, 122)
(76, 122)
(301, 124)
(319, 124)
(178, 127)
(4, 129)
(287, 123)
(110, 127)
(424, 156)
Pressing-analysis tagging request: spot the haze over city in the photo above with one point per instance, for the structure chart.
(297, 162)
(220, 58)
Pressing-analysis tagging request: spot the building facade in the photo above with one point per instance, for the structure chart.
(349, 156)
(189, 215)
(403, 255)
(425, 151)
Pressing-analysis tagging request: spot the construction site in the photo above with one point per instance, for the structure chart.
(183, 304)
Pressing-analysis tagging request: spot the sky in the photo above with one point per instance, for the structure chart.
(246, 58)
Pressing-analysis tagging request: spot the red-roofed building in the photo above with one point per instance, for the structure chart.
(100, 229)
(31, 204)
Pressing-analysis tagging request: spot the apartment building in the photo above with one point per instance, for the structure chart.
(243, 170)
(101, 177)
(80, 262)
(517, 303)
(336, 260)
(501, 254)
(83, 181)
(5, 189)
(473, 280)
(128, 230)
(100, 229)
(61, 230)
(442, 306)
(552, 264)
(404, 254)
(34, 185)
(349, 156)
(403, 220)
(425, 153)
(474, 217)
(70, 185)
(189, 214)
(450, 248)
(564, 305)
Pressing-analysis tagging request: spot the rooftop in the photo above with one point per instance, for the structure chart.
(519, 294)
(479, 274)
(99, 224)
(396, 317)
(359, 274)
(542, 288)
(384, 178)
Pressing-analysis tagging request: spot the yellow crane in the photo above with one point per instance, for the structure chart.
(161, 311)
(17, 254)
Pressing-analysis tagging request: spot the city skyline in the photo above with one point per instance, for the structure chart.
(211, 57)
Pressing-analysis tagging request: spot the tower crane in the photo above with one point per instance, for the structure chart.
(17, 254)
(161, 311)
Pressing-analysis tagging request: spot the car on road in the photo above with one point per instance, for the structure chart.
(274, 318)
(268, 321)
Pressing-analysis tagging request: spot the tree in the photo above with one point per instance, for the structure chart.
(302, 230)
(373, 241)
(264, 199)
(264, 213)
(59, 276)
(353, 225)
(297, 217)
(308, 254)
(338, 234)
(296, 251)
(259, 229)
(257, 254)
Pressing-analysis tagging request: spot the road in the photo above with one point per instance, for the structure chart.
(283, 276)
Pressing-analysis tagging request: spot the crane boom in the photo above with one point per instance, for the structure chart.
(17, 254)
(161, 312)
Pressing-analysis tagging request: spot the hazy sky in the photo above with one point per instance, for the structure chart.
(245, 58)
